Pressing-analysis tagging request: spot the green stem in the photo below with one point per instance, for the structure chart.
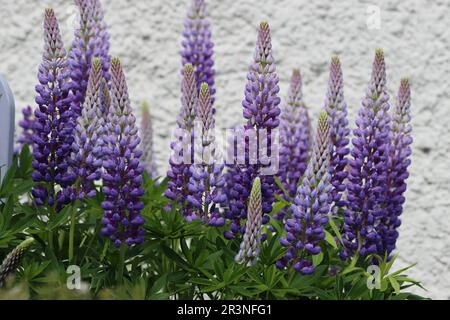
(72, 233)
(122, 252)
(50, 241)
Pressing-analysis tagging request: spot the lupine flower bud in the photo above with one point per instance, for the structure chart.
(336, 109)
(27, 125)
(122, 177)
(251, 243)
(89, 136)
(197, 45)
(262, 112)
(305, 229)
(91, 40)
(369, 163)
(147, 142)
(12, 260)
(206, 181)
(182, 156)
(53, 135)
(399, 161)
(295, 138)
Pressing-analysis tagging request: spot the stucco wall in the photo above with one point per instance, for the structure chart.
(414, 35)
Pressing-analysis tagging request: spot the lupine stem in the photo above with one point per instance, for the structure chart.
(122, 251)
(72, 232)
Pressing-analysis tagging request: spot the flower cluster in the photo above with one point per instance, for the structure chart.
(12, 260)
(262, 114)
(336, 109)
(399, 161)
(89, 132)
(91, 40)
(53, 127)
(122, 177)
(305, 229)
(206, 181)
(250, 246)
(27, 125)
(295, 138)
(367, 180)
(146, 131)
(197, 45)
(182, 156)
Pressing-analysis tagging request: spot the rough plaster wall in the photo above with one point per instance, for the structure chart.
(414, 34)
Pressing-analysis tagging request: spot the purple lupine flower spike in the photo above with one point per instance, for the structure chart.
(295, 137)
(197, 45)
(262, 113)
(146, 131)
(27, 125)
(89, 136)
(207, 181)
(91, 40)
(399, 161)
(251, 243)
(122, 177)
(53, 127)
(336, 109)
(368, 168)
(182, 156)
(305, 229)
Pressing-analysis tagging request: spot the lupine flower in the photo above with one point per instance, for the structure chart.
(367, 179)
(53, 135)
(262, 112)
(12, 260)
(106, 99)
(336, 109)
(251, 243)
(197, 45)
(91, 40)
(305, 229)
(89, 136)
(399, 161)
(295, 138)
(146, 131)
(27, 125)
(180, 162)
(122, 177)
(206, 181)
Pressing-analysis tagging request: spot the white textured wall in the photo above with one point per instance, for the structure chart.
(414, 34)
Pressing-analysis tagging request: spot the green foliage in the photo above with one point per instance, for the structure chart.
(178, 260)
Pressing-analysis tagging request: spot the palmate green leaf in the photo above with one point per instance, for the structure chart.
(25, 160)
(394, 284)
(330, 239)
(317, 259)
(277, 225)
(210, 258)
(335, 229)
(203, 281)
(6, 214)
(278, 206)
(242, 290)
(280, 185)
(158, 286)
(7, 183)
(60, 218)
(358, 290)
(352, 266)
(172, 255)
